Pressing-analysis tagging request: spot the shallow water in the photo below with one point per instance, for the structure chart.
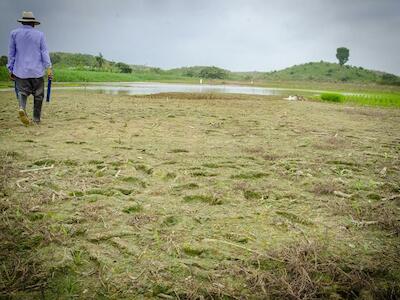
(147, 88)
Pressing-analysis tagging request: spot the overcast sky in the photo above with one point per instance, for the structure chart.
(240, 35)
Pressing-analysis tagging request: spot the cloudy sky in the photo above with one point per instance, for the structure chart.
(238, 35)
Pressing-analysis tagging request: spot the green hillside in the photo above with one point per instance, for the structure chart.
(331, 72)
(86, 67)
(89, 62)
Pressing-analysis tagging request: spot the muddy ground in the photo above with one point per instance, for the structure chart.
(199, 197)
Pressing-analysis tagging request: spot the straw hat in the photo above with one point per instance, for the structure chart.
(27, 16)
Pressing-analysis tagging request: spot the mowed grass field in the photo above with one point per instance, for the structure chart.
(186, 196)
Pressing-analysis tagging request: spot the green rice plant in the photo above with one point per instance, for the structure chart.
(375, 99)
(332, 97)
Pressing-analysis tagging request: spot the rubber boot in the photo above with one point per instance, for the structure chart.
(37, 110)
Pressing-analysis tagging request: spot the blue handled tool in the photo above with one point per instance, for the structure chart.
(48, 90)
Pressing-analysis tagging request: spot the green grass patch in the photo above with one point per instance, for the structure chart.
(76, 194)
(252, 195)
(144, 169)
(169, 176)
(133, 208)
(250, 175)
(125, 192)
(202, 198)
(71, 163)
(44, 162)
(203, 174)
(170, 221)
(134, 180)
(179, 151)
(211, 165)
(192, 251)
(294, 218)
(188, 186)
(103, 192)
(95, 162)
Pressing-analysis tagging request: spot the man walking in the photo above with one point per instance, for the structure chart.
(28, 58)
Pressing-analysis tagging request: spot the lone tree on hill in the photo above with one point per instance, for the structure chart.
(342, 54)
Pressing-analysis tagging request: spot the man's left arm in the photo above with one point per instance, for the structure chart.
(46, 57)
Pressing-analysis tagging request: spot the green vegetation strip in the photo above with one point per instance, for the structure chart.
(367, 99)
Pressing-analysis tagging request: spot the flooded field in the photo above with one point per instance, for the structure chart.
(147, 88)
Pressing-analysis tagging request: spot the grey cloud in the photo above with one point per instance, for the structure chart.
(234, 34)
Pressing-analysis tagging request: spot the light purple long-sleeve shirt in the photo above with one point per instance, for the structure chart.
(28, 56)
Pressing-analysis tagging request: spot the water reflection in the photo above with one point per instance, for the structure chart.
(156, 88)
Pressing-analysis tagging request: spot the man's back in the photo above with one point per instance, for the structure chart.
(28, 52)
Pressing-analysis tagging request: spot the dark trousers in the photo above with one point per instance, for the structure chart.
(31, 86)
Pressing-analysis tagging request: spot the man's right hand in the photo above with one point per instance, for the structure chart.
(50, 73)
(12, 76)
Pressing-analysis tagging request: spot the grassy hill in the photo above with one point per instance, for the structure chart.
(85, 67)
(331, 72)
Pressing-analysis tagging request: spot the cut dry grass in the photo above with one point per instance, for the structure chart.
(310, 270)
(234, 197)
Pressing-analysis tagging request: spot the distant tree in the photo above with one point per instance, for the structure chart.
(390, 79)
(157, 70)
(342, 54)
(189, 73)
(55, 58)
(100, 60)
(3, 61)
(213, 73)
(124, 68)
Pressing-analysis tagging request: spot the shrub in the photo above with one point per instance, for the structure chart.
(345, 78)
(213, 73)
(390, 79)
(189, 73)
(3, 61)
(124, 68)
(3, 74)
(332, 97)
